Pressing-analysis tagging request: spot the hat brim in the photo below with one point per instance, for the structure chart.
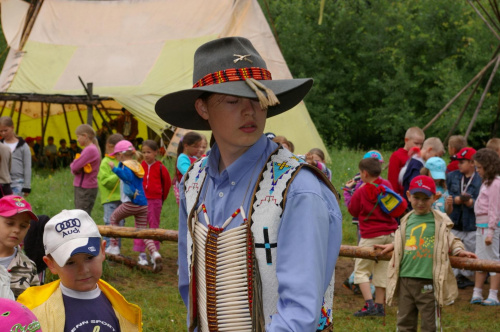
(85, 245)
(438, 175)
(178, 108)
(421, 190)
(11, 213)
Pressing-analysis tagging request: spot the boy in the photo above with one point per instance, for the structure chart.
(246, 174)
(63, 154)
(463, 188)
(15, 216)
(420, 269)
(74, 149)
(455, 144)
(494, 144)
(432, 147)
(414, 137)
(50, 152)
(109, 183)
(75, 252)
(376, 227)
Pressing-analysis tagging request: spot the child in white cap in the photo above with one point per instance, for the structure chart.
(75, 252)
(15, 216)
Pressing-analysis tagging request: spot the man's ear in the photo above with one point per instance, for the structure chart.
(437, 196)
(408, 194)
(201, 108)
(51, 264)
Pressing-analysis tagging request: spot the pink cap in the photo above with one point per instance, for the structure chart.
(123, 146)
(11, 205)
(15, 316)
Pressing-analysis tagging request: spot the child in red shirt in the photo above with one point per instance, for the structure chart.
(156, 184)
(455, 144)
(376, 227)
(414, 137)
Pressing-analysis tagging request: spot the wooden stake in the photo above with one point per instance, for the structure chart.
(157, 234)
(484, 20)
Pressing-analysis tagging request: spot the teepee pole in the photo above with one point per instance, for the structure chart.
(66, 120)
(19, 118)
(483, 96)
(478, 75)
(484, 20)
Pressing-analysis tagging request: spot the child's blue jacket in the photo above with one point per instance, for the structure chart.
(131, 173)
(463, 217)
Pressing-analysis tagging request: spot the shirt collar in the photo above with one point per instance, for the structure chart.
(244, 164)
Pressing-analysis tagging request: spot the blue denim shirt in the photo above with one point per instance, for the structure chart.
(462, 216)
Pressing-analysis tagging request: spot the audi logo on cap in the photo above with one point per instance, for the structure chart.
(66, 224)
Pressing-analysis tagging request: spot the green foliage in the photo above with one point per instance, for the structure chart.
(383, 66)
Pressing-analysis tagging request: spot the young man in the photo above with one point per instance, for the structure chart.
(420, 272)
(463, 189)
(75, 252)
(455, 144)
(294, 222)
(414, 137)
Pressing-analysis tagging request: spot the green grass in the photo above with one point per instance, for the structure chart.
(157, 295)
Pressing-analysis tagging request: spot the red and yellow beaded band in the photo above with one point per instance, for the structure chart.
(234, 74)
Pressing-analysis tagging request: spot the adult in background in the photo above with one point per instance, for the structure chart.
(5, 164)
(126, 125)
(295, 245)
(20, 171)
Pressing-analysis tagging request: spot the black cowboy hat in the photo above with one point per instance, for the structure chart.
(230, 66)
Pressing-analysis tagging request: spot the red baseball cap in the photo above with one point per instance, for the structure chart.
(465, 154)
(423, 184)
(11, 205)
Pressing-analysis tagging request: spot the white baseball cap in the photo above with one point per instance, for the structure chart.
(71, 232)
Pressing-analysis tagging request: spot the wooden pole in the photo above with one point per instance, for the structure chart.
(483, 96)
(3, 107)
(129, 262)
(19, 118)
(79, 113)
(46, 123)
(484, 20)
(90, 108)
(12, 109)
(157, 234)
(494, 128)
(66, 120)
(345, 251)
(478, 75)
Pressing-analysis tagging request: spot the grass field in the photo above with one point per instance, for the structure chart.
(157, 295)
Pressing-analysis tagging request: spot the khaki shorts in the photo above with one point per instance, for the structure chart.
(364, 268)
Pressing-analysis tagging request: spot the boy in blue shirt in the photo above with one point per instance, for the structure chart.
(463, 188)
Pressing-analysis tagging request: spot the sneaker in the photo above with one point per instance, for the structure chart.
(113, 250)
(380, 309)
(143, 259)
(476, 300)
(464, 282)
(366, 311)
(490, 302)
(156, 260)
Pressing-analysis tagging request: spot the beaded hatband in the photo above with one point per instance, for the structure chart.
(234, 74)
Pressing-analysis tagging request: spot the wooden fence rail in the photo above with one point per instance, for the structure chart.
(345, 251)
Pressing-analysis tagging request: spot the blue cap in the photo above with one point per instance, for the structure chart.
(437, 167)
(374, 154)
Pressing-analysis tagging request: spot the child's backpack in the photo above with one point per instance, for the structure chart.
(389, 201)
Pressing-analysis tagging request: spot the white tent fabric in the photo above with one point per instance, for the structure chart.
(135, 51)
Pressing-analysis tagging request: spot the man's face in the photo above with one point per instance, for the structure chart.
(417, 141)
(466, 166)
(12, 232)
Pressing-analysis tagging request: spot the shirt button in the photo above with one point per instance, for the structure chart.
(221, 194)
(233, 183)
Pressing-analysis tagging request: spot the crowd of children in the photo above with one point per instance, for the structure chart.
(449, 209)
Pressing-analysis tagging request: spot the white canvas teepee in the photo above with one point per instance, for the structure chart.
(133, 51)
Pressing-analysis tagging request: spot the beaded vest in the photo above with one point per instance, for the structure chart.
(216, 286)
